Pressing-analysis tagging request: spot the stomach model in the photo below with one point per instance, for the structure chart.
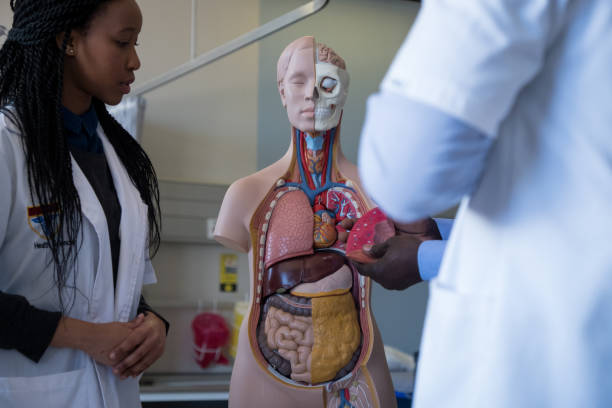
(310, 321)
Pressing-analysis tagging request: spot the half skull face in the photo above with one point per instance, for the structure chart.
(312, 91)
(331, 88)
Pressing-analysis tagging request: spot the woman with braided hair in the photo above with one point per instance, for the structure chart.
(79, 210)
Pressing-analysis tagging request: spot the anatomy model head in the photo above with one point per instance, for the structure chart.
(313, 85)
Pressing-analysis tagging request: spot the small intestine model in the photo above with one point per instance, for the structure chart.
(309, 339)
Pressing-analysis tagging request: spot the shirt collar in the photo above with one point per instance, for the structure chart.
(81, 130)
(87, 121)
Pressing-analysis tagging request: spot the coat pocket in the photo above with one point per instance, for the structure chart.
(63, 390)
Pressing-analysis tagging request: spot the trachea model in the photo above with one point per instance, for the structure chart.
(309, 339)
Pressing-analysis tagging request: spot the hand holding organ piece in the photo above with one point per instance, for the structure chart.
(373, 228)
(391, 255)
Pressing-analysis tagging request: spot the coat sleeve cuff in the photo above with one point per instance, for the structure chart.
(24, 327)
(144, 307)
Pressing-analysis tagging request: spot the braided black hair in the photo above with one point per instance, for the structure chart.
(31, 74)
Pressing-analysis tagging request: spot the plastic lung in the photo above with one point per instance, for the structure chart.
(290, 229)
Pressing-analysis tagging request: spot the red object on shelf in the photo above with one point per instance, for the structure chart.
(210, 335)
(372, 228)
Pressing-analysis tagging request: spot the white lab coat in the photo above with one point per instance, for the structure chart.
(67, 377)
(521, 312)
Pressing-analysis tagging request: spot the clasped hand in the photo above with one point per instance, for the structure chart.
(141, 348)
(130, 348)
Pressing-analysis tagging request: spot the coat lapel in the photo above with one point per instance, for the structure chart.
(133, 231)
(92, 211)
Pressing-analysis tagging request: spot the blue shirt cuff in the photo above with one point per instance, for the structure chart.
(444, 226)
(429, 258)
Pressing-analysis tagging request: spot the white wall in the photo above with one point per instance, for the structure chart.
(6, 17)
(202, 127)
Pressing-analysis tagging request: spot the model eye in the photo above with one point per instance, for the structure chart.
(328, 84)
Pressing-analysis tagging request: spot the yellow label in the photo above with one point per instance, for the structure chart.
(228, 273)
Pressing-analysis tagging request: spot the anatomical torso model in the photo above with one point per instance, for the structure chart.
(309, 339)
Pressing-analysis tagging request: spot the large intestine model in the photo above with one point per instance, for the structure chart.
(310, 339)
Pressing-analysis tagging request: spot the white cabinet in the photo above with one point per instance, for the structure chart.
(189, 211)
